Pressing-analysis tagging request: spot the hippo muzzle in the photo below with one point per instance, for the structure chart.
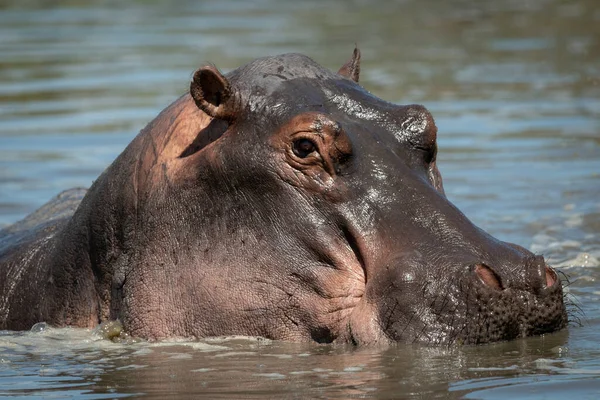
(471, 306)
(435, 277)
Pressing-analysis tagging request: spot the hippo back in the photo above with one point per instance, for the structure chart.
(26, 241)
(58, 208)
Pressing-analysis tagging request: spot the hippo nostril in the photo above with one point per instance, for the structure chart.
(551, 277)
(488, 277)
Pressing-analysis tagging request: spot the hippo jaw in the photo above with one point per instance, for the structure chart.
(462, 310)
(408, 299)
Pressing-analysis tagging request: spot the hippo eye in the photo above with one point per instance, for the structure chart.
(304, 147)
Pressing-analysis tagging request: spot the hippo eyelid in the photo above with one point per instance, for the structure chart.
(430, 152)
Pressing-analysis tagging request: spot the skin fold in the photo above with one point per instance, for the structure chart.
(280, 200)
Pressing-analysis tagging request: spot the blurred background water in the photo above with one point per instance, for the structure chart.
(515, 90)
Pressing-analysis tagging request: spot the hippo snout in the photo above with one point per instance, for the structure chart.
(522, 301)
(467, 303)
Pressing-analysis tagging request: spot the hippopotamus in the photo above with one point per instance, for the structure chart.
(279, 200)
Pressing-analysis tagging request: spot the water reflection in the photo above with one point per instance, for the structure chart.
(74, 360)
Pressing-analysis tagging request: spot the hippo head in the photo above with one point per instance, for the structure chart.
(302, 207)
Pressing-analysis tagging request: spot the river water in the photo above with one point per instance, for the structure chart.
(515, 90)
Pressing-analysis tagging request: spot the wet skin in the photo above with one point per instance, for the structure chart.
(280, 200)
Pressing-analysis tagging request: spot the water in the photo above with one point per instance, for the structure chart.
(515, 90)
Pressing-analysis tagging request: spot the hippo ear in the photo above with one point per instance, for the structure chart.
(351, 69)
(211, 92)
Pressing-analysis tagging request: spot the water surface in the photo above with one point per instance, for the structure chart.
(515, 90)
